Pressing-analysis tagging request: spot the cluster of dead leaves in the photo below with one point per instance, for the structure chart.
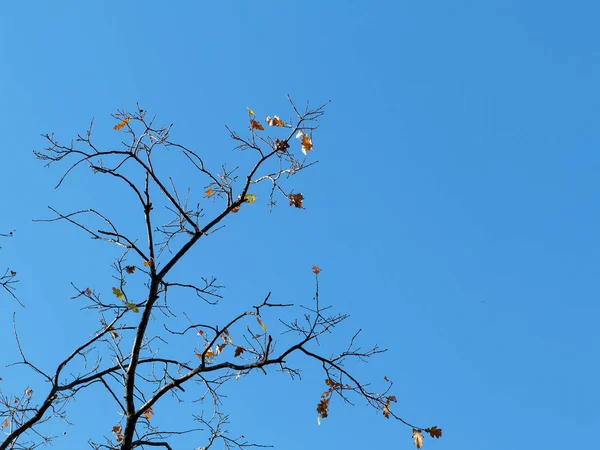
(323, 405)
(306, 144)
(227, 341)
(296, 200)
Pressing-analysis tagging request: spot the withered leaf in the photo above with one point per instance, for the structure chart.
(274, 121)
(255, 125)
(238, 351)
(130, 269)
(208, 192)
(296, 200)
(260, 322)
(220, 348)
(316, 270)
(148, 413)
(149, 262)
(434, 432)
(417, 438)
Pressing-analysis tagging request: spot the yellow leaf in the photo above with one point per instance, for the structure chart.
(250, 198)
(260, 322)
(316, 270)
(132, 306)
(210, 353)
(118, 293)
(250, 112)
(208, 192)
(274, 121)
(255, 125)
(122, 123)
(417, 438)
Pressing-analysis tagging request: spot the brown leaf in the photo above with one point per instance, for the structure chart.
(28, 391)
(12, 273)
(130, 269)
(316, 270)
(255, 125)
(122, 123)
(323, 408)
(434, 432)
(149, 262)
(208, 192)
(296, 200)
(220, 348)
(417, 438)
(87, 292)
(274, 121)
(236, 209)
(386, 411)
(238, 351)
(5, 423)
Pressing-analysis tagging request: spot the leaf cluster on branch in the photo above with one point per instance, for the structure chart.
(143, 311)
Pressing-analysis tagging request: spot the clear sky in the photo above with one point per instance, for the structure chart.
(454, 209)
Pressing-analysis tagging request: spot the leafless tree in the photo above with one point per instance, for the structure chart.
(121, 358)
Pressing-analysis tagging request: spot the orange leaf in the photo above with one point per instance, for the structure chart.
(255, 125)
(238, 351)
(28, 391)
(296, 200)
(148, 413)
(208, 192)
(5, 423)
(122, 123)
(236, 209)
(305, 142)
(129, 269)
(417, 438)
(149, 262)
(316, 270)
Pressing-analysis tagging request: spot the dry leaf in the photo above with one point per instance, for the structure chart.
(148, 413)
(260, 322)
(87, 292)
(5, 423)
(238, 351)
(255, 125)
(220, 348)
(28, 391)
(434, 432)
(236, 209)
(417, 438)
(122, 123)
(386, 411)
(296, 200)
(305, 142)
(129, 269)
(149, 262)
(118, 293)
(274, 121)
(316, 270)
(208, 192)
(12, 273)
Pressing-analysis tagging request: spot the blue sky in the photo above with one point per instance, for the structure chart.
(453, 210)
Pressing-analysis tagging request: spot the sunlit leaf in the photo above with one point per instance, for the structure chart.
(316, 270)
(208, 192)
(219, 349)
(122, 123)
(255, 125)
(386, 411)
(132, 306)
(118, 293)
(28, 391)
(130, 269)
(274, 121)
(250, 112)
(118, 432)
(260, 322)
(148, 413)
(149, 262)
(296, 200)
(250, 198)
(417, 438)
(306, 144)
